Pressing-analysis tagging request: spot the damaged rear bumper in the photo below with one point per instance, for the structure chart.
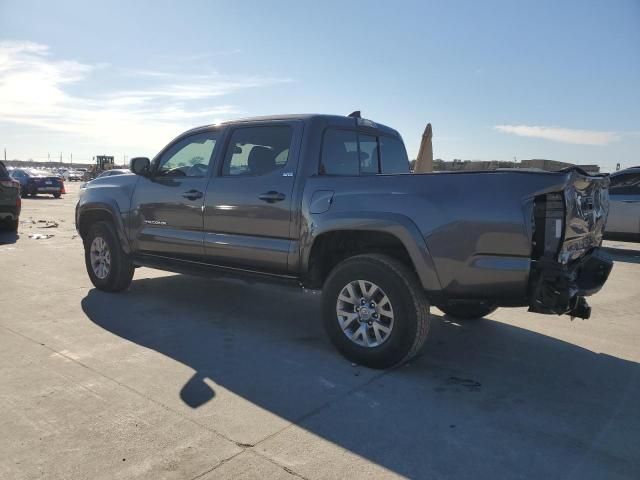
(557, 288)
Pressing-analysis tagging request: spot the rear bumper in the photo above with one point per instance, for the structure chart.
(555, 288)
(47, 189)
(9, 212)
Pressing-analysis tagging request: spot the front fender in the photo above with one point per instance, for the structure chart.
(89, 211)
(397, 225)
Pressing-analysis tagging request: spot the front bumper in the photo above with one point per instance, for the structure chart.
(556, 288)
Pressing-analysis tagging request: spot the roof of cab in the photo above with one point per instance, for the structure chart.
(329, 120)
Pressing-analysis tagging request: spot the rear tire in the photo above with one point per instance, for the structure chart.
(396, 311)
(56, 195)
(468, 311)
(109, 267)
(13, 225)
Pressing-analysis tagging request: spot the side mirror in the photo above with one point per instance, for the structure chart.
(140, 165)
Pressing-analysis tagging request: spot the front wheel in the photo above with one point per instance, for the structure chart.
(375, 311)
(468, 311)
(109, 268)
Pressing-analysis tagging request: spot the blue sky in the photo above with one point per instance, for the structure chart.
(497, 79)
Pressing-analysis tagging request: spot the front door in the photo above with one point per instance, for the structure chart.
(248, 204)
(167, 206)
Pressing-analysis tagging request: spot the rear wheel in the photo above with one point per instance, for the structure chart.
(109, 268)
(13, 225)
(56, 195)
(375, 311)
(468, 311)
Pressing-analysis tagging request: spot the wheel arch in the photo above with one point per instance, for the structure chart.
(90, 213)
(393, 234)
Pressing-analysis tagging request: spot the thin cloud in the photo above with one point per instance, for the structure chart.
(562, 135)
(37, 90)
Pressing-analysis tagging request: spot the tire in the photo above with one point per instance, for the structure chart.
(13, 225)
(118, 274)
(23, 192)
(408, 324)
(468, 311)
(57, 195)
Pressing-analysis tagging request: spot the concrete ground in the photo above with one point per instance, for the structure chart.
(183, 377)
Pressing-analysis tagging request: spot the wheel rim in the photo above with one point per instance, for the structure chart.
(364, 313)
(100, 256)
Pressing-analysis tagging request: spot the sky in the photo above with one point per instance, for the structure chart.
(498, 80)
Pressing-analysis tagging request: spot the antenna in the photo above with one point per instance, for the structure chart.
(355, 114)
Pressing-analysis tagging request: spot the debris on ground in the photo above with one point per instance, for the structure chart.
(47, 224)
(40, 236)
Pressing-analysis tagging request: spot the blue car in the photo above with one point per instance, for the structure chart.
(33, 182)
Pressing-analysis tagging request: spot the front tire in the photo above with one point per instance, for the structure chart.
(375, 310)
(468, 311)
(109, 268)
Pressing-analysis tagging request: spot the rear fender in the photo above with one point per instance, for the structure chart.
(397, 225)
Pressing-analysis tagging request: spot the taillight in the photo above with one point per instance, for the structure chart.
(62, 190)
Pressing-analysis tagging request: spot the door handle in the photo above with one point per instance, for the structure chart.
(272, 196)
(192, 194)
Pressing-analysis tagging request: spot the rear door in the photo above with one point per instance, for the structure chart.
(167, 206)
(247, 211)
(624, 204)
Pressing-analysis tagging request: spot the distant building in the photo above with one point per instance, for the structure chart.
(536, 163)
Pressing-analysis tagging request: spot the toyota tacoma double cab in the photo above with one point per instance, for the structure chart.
(329, 203)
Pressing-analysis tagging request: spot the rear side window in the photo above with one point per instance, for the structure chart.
(394, 156)
(347, 152)
(255, 151)
(369, 162)
(340, 153)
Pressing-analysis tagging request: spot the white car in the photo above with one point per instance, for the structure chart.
(623, 222)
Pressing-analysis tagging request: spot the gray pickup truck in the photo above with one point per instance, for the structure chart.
(328, 202)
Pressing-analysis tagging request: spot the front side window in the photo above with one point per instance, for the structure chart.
(255, 151)
(188, 157)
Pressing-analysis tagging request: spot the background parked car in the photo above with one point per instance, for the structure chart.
(108, 173)
(624, 205)
(33, 182)
(9, 199)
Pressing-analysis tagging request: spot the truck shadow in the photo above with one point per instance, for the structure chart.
(484, 399)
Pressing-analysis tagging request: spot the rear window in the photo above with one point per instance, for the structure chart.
(394, 155)
(347, 152)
